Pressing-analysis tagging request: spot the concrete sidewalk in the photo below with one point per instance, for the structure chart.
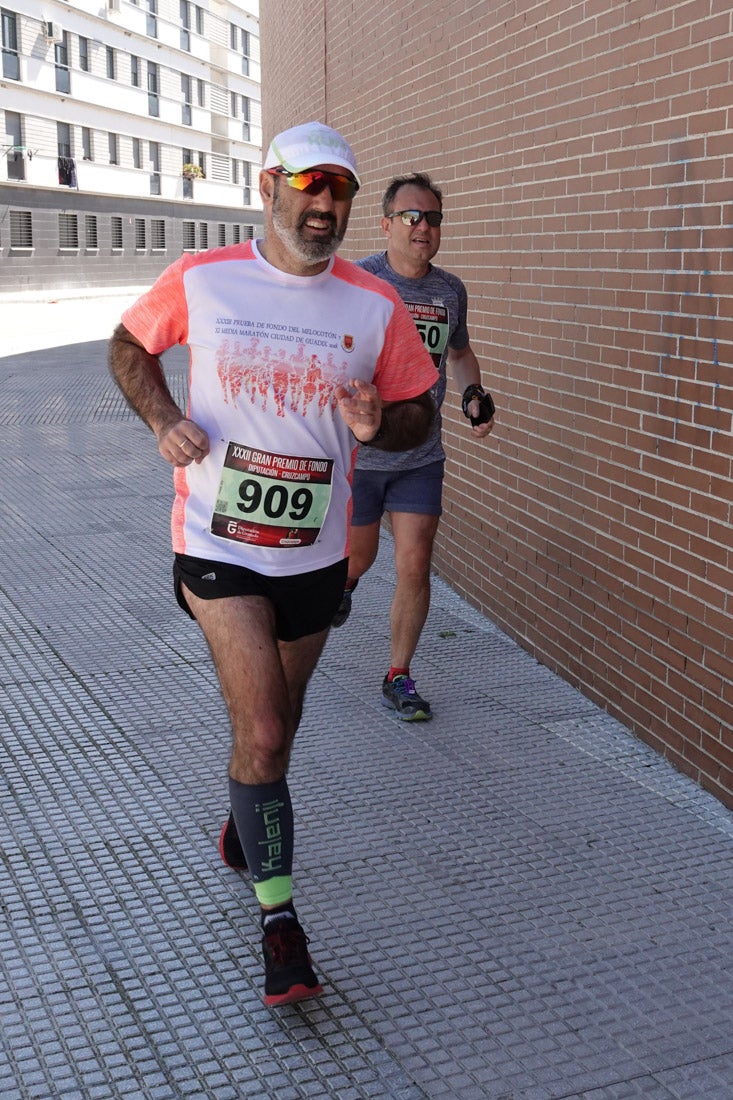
(31, 321)
(515, 901)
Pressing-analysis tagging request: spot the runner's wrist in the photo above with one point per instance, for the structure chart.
(471, 392)
(376, 438)
(476, 392)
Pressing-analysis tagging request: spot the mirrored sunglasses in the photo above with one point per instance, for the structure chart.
(414, 217)
(314, 181)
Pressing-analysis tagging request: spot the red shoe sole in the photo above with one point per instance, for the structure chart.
(225, 861)
(295, 993)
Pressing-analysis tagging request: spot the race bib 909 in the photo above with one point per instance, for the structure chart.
(272, 500)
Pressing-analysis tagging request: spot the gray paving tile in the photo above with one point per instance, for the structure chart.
(515, 901)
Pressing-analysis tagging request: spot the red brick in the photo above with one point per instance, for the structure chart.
(587, 159)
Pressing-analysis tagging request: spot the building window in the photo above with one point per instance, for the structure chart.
(235, 232)
(193, 168)
(245, 118)
(68, 232)
(189, 237)
(187, 179)
(154, 149)
(186, 109)
(197, 159)
(21, 229)
(185, 12)
(84, 54)
(116, 230)
(139, 234)
(200, 93)
(152, 19)
(157, 234)
(249, 232)
(16, 150)
(247, 183)
(61, 59)
(203, 235)
(199, 20)
(137, 153)
(153, 88)
(114, 149)
(134, 71)
(11, 61)
(245, 52)
(111, 64)
(222, 234)
(86, 143)
(90, 232)
(63, 139)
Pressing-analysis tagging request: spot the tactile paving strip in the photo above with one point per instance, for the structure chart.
(515, 901)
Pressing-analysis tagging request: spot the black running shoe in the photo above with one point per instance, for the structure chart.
(344, 608)
(401, 696)
(230, 847)
(289, 976)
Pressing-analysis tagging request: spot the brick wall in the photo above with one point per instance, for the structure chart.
(586, 153)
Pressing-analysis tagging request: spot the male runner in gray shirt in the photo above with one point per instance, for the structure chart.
(408, 484)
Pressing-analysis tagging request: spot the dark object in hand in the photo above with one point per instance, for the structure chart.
(405, 424)
(485, 400)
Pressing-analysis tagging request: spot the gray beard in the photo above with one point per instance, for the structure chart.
(308, 252)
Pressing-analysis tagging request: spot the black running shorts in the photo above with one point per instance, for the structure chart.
(304, 603)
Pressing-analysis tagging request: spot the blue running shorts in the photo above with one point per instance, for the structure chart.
(419, 490)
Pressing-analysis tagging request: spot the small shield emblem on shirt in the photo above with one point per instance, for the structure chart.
(347, 342)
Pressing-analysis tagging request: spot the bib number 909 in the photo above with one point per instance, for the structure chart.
(276, 501)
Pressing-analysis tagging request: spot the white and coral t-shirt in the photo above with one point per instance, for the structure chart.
(267, 351)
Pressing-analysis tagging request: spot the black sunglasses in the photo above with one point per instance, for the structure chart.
(414, 217)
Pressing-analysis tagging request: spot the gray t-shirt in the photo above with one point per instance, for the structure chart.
(438, 304)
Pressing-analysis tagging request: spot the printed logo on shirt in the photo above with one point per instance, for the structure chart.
(302, 382)
(347, 343)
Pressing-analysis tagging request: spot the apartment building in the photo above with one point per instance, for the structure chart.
(130, 131)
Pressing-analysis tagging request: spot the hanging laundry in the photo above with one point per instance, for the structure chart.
(67, 172)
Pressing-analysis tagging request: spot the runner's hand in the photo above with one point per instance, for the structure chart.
(479, 430)
(183, 442)
(361, 408)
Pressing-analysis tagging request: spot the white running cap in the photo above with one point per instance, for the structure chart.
(308, 145)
